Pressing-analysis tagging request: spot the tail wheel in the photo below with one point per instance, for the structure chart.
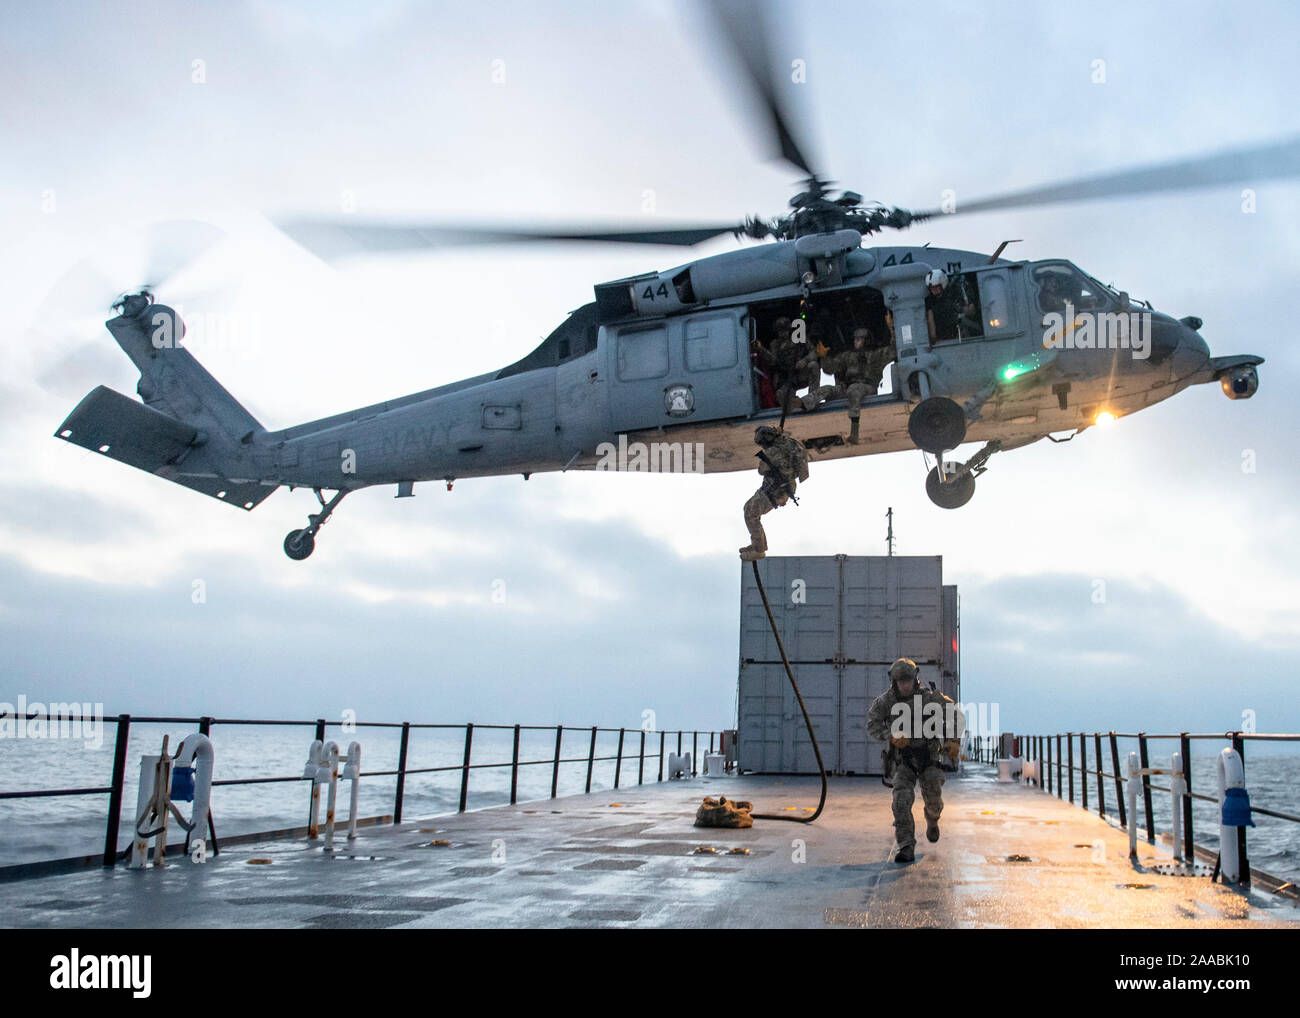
(936, 425)
(298, 544)
(951, 494)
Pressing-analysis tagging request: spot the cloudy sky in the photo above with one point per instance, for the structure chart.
(621, 591)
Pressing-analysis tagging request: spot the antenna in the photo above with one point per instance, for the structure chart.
(889, 537)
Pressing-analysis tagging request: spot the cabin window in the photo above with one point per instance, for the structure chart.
(710, 344)
(995, 304)
(643, 354)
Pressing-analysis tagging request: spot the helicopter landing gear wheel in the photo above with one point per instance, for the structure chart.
(936, 425)
(298, 544)
(950, 494)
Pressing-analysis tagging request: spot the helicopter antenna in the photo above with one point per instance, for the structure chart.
(889, 537)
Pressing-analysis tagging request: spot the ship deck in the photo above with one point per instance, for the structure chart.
(629, 858)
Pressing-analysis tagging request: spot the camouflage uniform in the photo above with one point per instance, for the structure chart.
(789, 457)
(857, 376)
(797, 367)
(917, 761)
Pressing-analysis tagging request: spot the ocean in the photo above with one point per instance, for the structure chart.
(58, 827)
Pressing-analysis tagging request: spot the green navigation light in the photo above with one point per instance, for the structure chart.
(1016, 370)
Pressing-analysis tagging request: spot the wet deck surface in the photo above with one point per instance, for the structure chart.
(585, 861)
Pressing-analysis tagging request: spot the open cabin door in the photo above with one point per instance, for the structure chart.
(677, 370)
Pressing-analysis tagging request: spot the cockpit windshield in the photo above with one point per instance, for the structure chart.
(1061, 287)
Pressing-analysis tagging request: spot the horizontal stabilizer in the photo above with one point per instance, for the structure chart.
(130, 432)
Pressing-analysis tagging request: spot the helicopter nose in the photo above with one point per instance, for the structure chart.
(1192, 353)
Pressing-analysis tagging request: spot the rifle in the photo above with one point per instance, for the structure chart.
(780, 476)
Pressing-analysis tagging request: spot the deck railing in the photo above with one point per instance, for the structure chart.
(1055, 753)
(205, 724)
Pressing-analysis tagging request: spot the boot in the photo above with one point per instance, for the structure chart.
(853, 431)
(905, 854)
(932, 830)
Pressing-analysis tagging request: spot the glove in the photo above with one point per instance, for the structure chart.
(953, 748)
(899, 741)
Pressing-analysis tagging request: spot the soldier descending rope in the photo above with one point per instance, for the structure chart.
(783, 462)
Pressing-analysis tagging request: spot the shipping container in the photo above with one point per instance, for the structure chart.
(843, 621)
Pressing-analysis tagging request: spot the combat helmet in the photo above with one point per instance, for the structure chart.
(765, 433)
(903, 668)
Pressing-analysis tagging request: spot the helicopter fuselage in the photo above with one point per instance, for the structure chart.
(666, 360)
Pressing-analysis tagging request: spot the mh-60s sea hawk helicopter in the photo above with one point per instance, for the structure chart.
(670, 356)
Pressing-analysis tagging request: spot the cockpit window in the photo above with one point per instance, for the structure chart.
(1060, 285)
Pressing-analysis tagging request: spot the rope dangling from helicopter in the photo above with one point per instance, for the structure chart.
(821, 767)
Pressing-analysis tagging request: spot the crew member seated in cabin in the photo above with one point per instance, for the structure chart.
(857, 376)
(797, 363)
(785, 355)
(1051, 292)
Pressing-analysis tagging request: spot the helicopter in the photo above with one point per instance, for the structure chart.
(670, 361)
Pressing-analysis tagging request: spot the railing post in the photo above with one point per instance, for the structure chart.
(1101, 781)
(591, 757)
(1144, 763)
(1059, 787)
(1189, 846)
(618, 764)
(640, 766)
(555, 771)
(661, 756)
(1050, 786)
(1119, 790)
(320, 729)
(205, 726)
(115, 795)
(679, 742)
(464, 767)
(401, 772)
(514, 770)
(695, 752)
(1083, 768)
(1239, 744)
(1069, 742)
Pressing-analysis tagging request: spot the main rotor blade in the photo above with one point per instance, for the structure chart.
(744, 28)
(337, 238)
(1274, 161)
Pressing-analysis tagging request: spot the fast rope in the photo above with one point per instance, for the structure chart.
(806, 719)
